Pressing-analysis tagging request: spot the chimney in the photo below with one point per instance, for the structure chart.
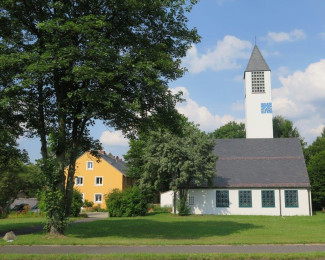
(102, 152)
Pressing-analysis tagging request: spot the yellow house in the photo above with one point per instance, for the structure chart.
(95, 177)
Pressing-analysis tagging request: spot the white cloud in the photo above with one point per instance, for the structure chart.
(200, 114)
(281, 71)
(114, 138)
(222, 57)
(292, 36)
(302, 98)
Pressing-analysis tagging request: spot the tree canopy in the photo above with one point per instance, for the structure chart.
(68, 63)
(230, 130)
(162, 160)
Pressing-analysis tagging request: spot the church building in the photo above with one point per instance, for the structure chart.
(259, 175)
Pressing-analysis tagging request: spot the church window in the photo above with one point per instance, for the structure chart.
(291, 198)
(190, 200)
(258, 82)
(222, 198)
(268, 200)
(245, 198)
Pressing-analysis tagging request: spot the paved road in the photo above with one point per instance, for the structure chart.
(162, 249)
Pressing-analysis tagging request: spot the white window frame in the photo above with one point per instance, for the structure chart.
(98, 202)
(83, 197)
(92, 164)
(96, 180)
(75, 180)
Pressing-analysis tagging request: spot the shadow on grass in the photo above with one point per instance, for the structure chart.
(149, 228)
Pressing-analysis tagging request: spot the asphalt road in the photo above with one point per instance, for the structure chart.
(162, 249)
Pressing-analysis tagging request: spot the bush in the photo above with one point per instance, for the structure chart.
(88, 204)
(183, 208)
(76, 203)
(128, 203)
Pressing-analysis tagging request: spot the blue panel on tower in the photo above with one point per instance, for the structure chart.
(266, 108)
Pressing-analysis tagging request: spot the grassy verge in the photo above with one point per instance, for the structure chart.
(312, 255)
(19, 223)
(167, 229)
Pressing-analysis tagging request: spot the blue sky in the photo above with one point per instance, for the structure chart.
(291, 37)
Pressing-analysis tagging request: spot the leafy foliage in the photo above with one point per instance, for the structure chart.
(127, 203)
(316, 170)
(66, 64)
(175, 162)
(76, 203)
(284, 128)
(230, 130)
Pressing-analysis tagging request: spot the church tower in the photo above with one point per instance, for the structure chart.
(258, 102)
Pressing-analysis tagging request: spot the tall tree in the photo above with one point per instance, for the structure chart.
(316, 171)
(73, 62)
(230, 130)
(177, 162)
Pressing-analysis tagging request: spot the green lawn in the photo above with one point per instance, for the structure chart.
(9, 224)
(167, 229)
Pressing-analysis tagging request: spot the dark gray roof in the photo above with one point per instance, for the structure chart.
(119, 165)
(257, 62)
(254, 163)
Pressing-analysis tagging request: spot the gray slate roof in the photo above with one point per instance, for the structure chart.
(120, 165)
(257, 62)
(255, 163)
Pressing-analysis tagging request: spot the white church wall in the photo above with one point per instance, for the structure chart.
(166, 199)
(258, 125)
(205, 203)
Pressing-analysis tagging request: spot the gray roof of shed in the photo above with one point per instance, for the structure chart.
(257, 62)
(120, 165)
(257, 163)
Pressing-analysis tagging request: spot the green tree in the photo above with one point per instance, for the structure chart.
(178, 162)
(317, 146)
(230, 130)
(316, 171)
(68, 63)
(11, 158)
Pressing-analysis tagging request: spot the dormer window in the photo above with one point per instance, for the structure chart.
(90, 165)
(258, 85)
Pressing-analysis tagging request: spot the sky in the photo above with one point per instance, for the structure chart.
(291, 37)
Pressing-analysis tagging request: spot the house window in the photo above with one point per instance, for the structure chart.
(190, 200)
(222, 198)
(258, 82)
(79, 181)
(268, 200)
(90, 165)
(98, 198)
(245, 198)
(291, 198)
(99, 181)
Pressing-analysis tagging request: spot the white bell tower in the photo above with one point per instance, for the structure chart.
(258, 102)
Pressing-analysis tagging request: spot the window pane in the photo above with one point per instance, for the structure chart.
(268, 200)
(245, 198)
(291, 198)
(222, 198)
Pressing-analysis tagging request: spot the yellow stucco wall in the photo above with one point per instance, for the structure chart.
(112, 178)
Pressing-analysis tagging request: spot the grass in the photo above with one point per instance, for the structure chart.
(9, 224)
(167, 229)
(311, 255)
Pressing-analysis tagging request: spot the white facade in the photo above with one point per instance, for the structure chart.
(258, 118)
(205, 202)
(167, 199)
